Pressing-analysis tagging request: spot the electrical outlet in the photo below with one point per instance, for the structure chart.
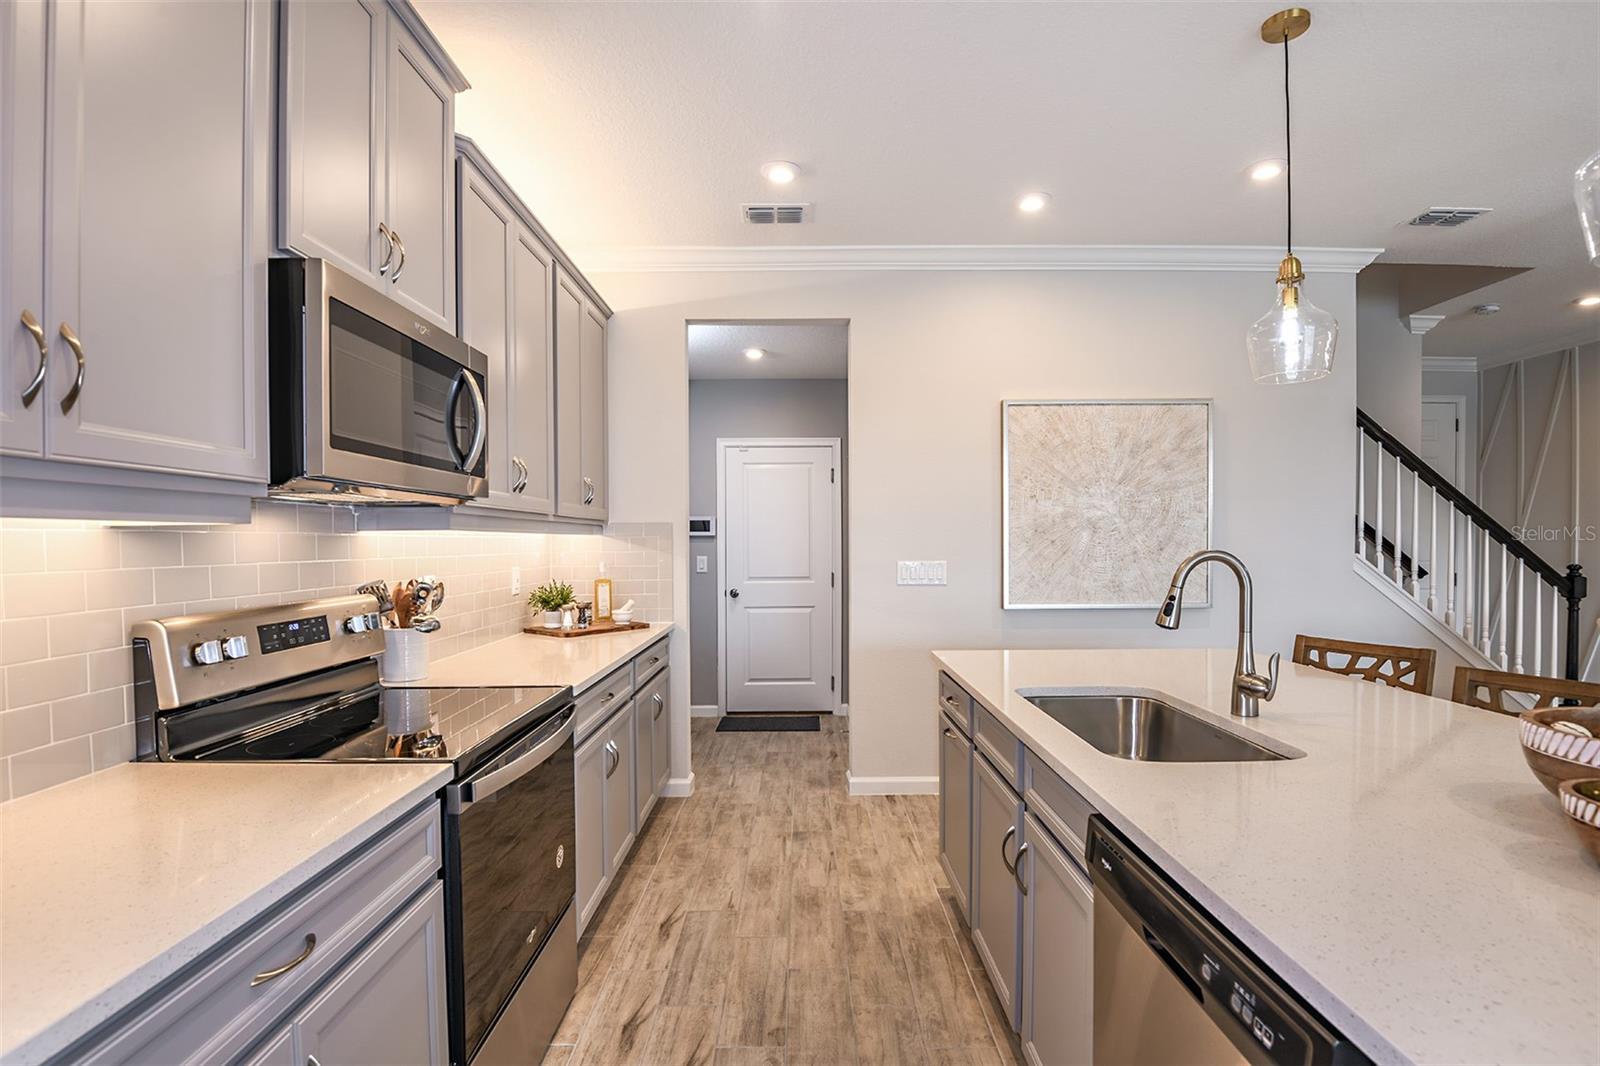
(516, 580)
(700, 566)
(925, 572)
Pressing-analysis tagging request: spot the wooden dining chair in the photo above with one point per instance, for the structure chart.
(1489, 688)
(1386, 664)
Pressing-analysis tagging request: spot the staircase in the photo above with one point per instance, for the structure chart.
(1461, 574)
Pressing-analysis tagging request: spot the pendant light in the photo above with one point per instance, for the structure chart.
(1586, 190)
(1294, 341)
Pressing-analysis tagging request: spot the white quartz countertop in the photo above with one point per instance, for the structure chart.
(526, 660)
(110, 884)
(1408, 877)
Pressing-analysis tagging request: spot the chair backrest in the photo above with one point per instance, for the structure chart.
(1387, 664)
(1488, 689)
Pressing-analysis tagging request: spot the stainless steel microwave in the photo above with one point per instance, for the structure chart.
(368, 404)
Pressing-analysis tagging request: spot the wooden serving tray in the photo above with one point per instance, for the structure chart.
(595, 628)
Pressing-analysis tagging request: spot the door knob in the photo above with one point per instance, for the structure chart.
(733, 594)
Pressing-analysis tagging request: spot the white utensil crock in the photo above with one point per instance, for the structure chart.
(405, 655)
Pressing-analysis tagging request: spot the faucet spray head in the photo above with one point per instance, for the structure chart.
(1170, 613)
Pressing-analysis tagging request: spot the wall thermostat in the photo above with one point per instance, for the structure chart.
(702, 526)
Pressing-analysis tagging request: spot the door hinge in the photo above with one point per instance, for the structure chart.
(830, 475)
(1458, 425)
(831, 680)
(831, 577)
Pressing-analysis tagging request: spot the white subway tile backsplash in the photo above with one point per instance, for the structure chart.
(69, 593)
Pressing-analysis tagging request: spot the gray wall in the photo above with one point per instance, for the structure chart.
(761, 408)
(1443, 383)
(1389, 374)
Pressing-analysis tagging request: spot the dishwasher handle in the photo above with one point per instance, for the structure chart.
(1184, 977)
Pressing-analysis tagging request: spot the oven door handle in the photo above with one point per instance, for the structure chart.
(480, 420)
(557, 733)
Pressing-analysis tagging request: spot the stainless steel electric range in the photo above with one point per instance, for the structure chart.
(300, 681)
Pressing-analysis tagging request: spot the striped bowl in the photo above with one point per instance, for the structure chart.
(1581, 800)
(1555, 756)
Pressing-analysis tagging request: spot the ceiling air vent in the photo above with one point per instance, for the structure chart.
(775, 214)
(1449, 216)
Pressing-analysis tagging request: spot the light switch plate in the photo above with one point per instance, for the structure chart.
(923, 572)
(516, 580)
(699, 564)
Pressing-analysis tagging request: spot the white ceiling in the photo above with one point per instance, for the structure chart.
(793, 349)
(629, 125)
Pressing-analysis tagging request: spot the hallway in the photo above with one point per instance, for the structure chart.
(773, 919)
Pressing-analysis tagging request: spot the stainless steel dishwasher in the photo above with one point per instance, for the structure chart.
(1171, 986)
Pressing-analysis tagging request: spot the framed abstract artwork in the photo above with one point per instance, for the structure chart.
(1101, 501)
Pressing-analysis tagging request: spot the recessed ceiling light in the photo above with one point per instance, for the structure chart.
(1266, 170)
(1486, 309)
(1589, 301)
(1033, 202)
(780, 172)
(753, 353)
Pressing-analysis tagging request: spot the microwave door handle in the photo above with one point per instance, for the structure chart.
(464, 795)
(480, 433)
(450, 403)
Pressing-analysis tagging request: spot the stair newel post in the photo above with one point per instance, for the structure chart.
(1577, 589)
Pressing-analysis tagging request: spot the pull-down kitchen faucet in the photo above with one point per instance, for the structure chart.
(1249, 687)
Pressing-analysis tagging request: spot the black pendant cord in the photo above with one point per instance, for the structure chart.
(1288, 156)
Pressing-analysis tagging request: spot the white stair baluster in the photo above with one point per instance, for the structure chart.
(1555, 634)
(1450, 616)
(1377, 520)
(1485, 623)
(1516, 650)
(1505, 594)
(1361, 493)
(1467, 591)
(1538, 625)
(1416, 537)
(1399, 520)
(1433, 551)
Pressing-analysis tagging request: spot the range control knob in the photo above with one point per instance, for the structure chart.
(374, 621)
(235, 648)
(357, 623)
(207, 653)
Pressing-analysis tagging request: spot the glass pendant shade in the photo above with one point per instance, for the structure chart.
(1586, 190)
(1294, 341)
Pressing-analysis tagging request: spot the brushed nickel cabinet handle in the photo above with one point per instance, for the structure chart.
(1003, 842)
(951, 733)
(398, 267)
(616, 757)
(31, 324)
(653, 660)
(267, 975)
(1016, 869)
(660, 706)
(952, 701)
(311, 1060)
(388, 244)
(77, 383)
(608, 697)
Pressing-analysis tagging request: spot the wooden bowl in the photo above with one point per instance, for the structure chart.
(1581, 801)
(1555, 756)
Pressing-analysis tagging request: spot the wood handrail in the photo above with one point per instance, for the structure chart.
(1562, 583)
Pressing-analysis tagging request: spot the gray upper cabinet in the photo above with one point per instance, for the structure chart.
(506, 289)
(366, 148)
(134, 262)
(580, 328)
(1057, 953)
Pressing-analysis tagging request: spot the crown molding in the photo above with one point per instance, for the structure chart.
(1145, 257)
(1455, 364)
(1421, 324)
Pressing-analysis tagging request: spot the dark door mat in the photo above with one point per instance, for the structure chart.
(768, 723)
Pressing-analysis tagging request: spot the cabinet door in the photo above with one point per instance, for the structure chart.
(485, 317)
(644, 758)
(277, 1051)
(532, 428)
(387, 1004)
(157, 234)
(1057, 953)
(996, 904)
(955, 811)
(591, 762)
(22, 88)
(594, 411)
(661, 718)
(331, 133)
(620, 812)
(571, 493)
(421, 193)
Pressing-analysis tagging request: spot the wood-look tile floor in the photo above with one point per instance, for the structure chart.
(773, 920)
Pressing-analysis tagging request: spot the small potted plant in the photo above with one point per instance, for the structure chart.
(550, 598)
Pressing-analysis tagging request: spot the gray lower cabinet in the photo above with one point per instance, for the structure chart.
(955, 811)
(1057, 953)
(644, 757)
(593, 756)
(661, 724)
(620, 811)
(996, 915)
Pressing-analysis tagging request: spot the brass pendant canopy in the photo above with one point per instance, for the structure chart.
(1286, 25)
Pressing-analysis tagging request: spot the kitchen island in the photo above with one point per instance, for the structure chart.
(1407, 876)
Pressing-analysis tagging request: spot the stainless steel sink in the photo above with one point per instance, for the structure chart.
(1148, 730)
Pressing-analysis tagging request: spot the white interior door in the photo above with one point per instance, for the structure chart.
(1441, 432)
(779, 577)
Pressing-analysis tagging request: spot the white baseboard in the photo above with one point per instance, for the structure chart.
(679, 786)
(704, 710)
(892, 786)
(843, 711)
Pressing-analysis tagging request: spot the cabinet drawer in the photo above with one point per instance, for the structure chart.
(1000, 746)
(609, 695)
(1059, 806)
(954, 701)
(228, 1004)
(649, 662)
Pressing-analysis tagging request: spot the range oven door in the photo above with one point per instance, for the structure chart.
(369, 404)
(513, 952)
